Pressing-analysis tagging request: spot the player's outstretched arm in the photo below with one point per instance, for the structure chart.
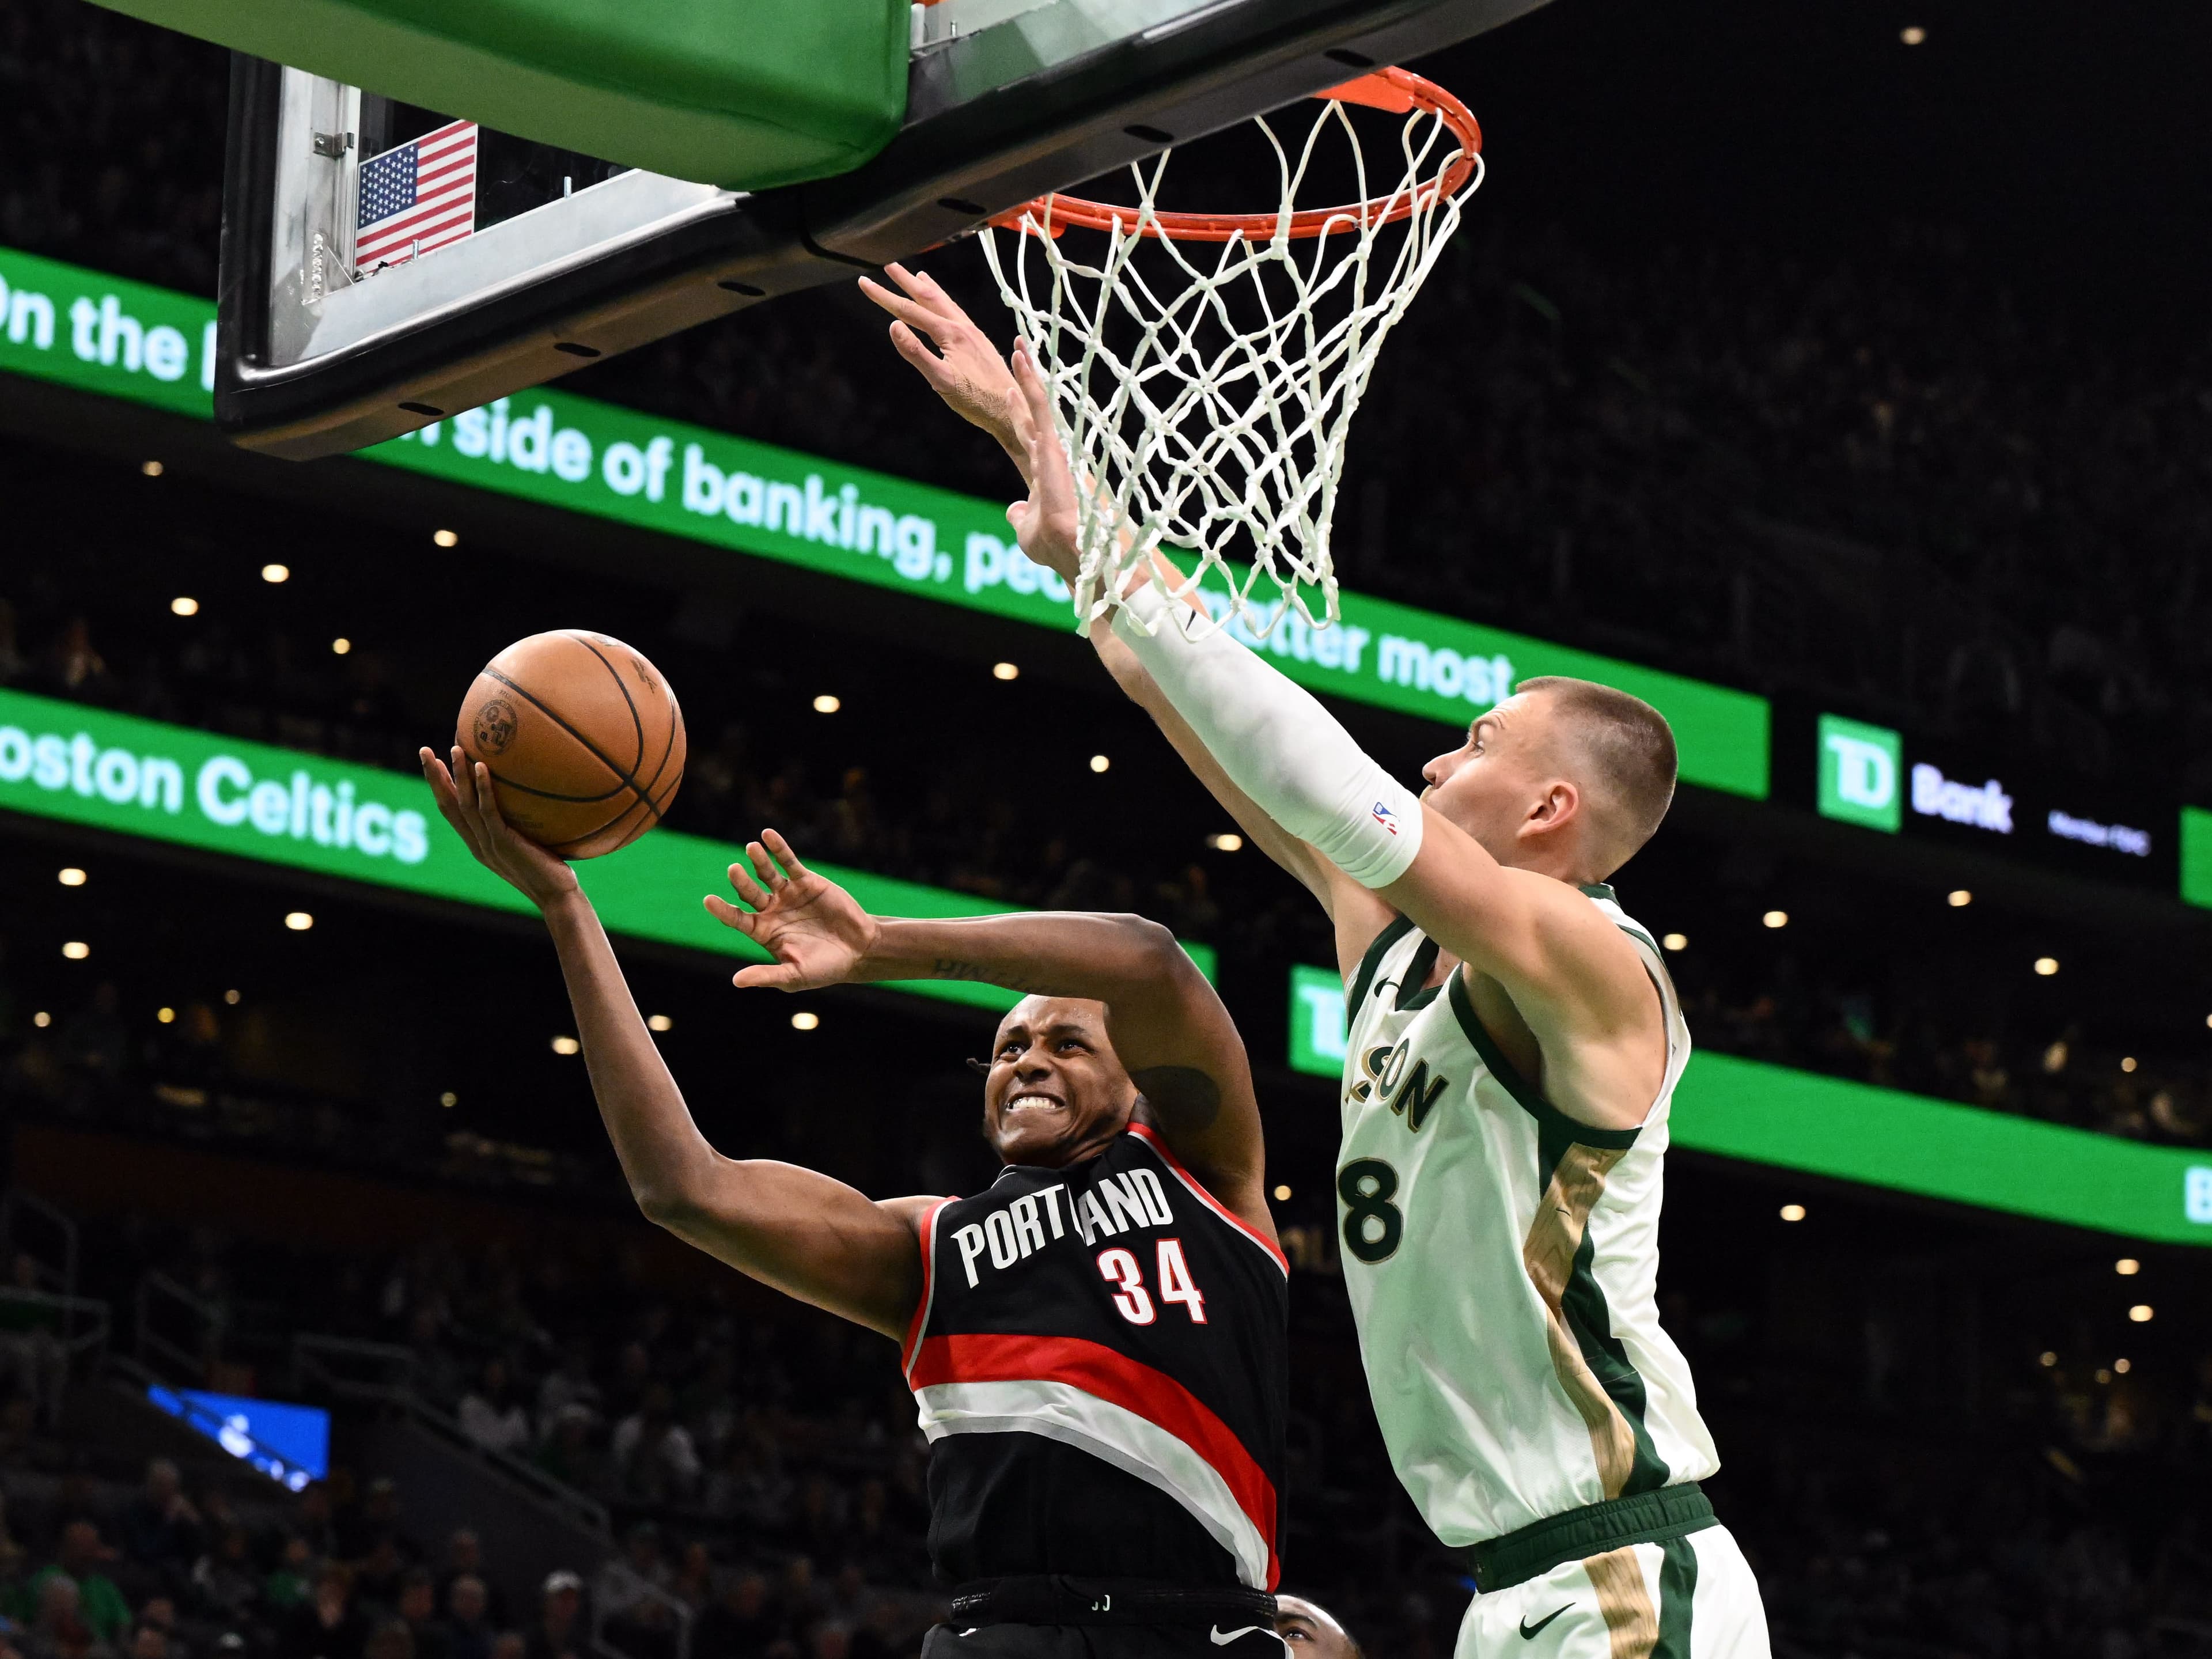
(1166, 1023)
(964, 367)
(799, 1231)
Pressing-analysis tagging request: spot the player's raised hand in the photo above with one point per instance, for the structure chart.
(965, 369)
(1045, 523)
(466, 800)
(816, 932)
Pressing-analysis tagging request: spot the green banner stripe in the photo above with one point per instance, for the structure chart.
(2197, 855)
(129, 340)
(169, 783)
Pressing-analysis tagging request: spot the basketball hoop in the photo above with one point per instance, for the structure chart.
(1205, 399)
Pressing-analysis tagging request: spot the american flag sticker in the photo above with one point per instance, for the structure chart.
(416, 197)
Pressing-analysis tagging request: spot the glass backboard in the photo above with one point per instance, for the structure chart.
(384, 264)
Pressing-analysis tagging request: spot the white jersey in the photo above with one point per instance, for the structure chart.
(1502, 1261)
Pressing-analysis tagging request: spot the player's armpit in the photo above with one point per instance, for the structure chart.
(1574, 976)
(801, 1232)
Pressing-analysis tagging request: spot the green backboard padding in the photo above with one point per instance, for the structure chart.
(746, 93)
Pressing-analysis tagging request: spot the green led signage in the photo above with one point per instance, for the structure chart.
(1862, 774)
(1745, 1108)
(168, 783)
(2197, 855)
(129, 340)
(1317, 1037)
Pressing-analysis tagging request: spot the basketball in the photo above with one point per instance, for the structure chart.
(583, 737)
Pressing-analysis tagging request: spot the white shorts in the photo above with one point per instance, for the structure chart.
(1688, 1598)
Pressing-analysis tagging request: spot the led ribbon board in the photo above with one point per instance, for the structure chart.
(156, 347)
(169, 783)
(1823, 1126)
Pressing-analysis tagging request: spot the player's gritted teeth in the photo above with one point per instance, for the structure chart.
(1030, 1101)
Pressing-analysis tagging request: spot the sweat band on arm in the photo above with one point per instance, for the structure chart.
(1277, 743)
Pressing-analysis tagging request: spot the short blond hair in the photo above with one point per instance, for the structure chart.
(1630, 750)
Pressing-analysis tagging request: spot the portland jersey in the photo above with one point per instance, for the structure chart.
(1501, 1261)
(1101, 1356)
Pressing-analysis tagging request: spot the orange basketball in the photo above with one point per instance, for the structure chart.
(583, 737)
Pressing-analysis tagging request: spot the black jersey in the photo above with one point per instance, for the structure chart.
(1101, 1356)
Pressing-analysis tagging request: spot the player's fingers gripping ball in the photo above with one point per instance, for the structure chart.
(583, 738)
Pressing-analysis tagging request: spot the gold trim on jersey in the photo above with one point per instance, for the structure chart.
(1549, 1254)
(1632, 1623)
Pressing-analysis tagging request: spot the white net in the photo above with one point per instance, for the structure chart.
(1205, 370)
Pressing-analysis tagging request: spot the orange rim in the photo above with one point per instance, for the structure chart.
(1399, 91)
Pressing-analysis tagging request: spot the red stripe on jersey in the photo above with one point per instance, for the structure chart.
(1120, 1381)
(908, 1348)
(1152, 1139)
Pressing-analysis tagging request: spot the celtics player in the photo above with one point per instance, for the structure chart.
(1515, 1042)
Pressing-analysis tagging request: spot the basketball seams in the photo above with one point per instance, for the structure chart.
(624, 780)
(628, 702)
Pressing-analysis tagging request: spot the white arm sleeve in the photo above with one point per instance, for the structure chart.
(1277, 743)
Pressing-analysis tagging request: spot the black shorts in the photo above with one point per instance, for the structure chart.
(1249, 1641)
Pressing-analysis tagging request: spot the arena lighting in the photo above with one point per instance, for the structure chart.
(826, 704)
(444, 538)
(1675, 941)
(1957, 898)
(185, 605)
(298, 921)
(151, 468)
(42, 1019)
(2054, 1057)
(231, 998)
(804, 1021)
(2127, 1267)
(275, 573)
(2141, 1313)
(76, 950)
(660, 1022)
(2103, 1375)
(2127, 1062)
(1912, 34)
(1793, 1213)
(2123, 1366)
(1227, 841)
(2046, 1358)
(167, 1016)
(449, 1100)
(1099, 762)
(1004, 671)
(2046, 966)
(1281, 1194)
(340, 645)
(72, 877)
(566, 1045)
(1775, 918)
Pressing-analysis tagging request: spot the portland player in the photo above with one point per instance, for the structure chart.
(1515, 1041)
(1097, 1341)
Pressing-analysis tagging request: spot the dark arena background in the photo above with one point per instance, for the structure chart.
(1847, 362)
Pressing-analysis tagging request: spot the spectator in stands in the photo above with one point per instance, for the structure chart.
(469, 1632)
(291, 1581)
(558, 1632)
(59, 1629)
(570, 1383)
(464, 1558)
(159, 1528)
(654, 1454)
(738, 1623)
(376, 1576)
(389, 1640)
(147, 1642)
(327, 1625)
(31, 1353)
(570, 1455)
(491, 1416)
(418, 1611)
(632, 1595)
(224, 1580)
(159, 1613)
(95, 1042)
(75, 669)
(81, 1558)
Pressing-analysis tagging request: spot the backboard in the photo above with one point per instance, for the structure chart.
(385, 264)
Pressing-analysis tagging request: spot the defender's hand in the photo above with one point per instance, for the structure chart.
(816, 931)
(466, 800)
(965, 369)
(1045, 523)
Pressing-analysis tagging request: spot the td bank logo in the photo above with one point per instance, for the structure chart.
(1859, 774)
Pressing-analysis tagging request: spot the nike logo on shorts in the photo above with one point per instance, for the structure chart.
(1530, 1632)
